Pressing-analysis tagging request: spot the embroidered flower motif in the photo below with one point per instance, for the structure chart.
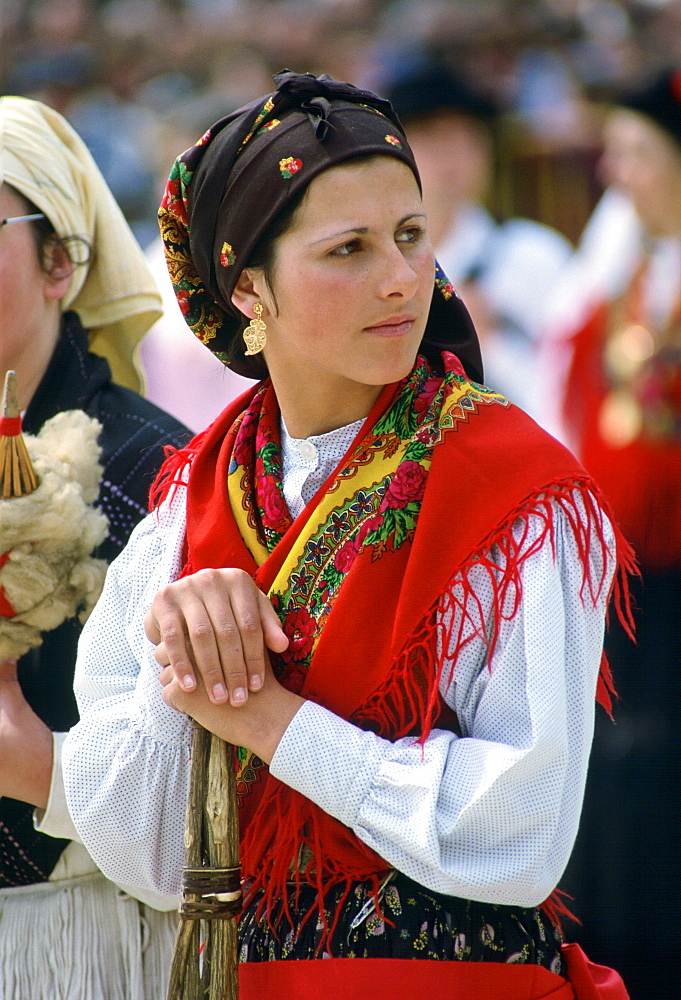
(299, 626)
(273, 503)
(407, 485)
(345, 556)
(289, 166)
(425, 397)
(227, 255)
(182, 296)
(394, 141)
(174, 200)
(268, 125)
(446, 287)
(244, 441)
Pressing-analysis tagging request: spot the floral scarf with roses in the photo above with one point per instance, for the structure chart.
(439, 474)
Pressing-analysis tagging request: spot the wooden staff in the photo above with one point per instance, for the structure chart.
(205, 961)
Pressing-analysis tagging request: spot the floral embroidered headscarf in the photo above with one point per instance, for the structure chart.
(224, 192)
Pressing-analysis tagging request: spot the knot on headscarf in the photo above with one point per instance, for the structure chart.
(314, 94)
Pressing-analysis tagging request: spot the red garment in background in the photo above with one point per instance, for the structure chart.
(642, 480)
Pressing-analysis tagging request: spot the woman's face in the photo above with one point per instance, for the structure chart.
(351, 290)
(645, 163)
(29, 300)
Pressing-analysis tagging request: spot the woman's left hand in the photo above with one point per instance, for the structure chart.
(25, 744)
(258, 725)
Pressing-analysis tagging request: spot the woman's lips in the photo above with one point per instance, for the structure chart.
(394, 326)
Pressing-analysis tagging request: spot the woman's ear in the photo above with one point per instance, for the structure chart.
(58, 268)
(245, 293)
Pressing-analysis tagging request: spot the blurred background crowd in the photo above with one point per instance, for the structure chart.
(139, 79)
(507, 104)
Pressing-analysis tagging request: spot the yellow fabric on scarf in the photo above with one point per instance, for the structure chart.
(115, 295)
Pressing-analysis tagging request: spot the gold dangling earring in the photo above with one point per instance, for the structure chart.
(255, 334)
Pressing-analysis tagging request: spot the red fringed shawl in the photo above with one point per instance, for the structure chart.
(440, 473)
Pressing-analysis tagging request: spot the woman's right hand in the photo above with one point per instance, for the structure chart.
(216, 622)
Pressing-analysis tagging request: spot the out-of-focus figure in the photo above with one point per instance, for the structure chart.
(503, 271)
(616, 340)
(76, 297)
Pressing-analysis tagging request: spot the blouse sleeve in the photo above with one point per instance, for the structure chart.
(126, 763)
(491, 815)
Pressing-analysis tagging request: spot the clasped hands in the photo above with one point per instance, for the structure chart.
(212, 631)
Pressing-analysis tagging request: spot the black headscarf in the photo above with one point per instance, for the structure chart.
(224, 193)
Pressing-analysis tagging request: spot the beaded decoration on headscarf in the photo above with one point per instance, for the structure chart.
(224, 192)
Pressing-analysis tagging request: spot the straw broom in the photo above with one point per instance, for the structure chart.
(49, 526)
(205, 961)
(17, 475)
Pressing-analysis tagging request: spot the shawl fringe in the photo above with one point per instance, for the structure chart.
(173, 471)
(408, 702)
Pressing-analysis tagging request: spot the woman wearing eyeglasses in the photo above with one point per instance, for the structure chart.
(376, 577)
(75, 299)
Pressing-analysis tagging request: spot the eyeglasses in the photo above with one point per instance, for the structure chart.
(22, 218)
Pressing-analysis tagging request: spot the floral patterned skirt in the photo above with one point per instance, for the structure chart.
(414, 923)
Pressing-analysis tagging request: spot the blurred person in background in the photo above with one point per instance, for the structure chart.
(614, 352)
(503, 271)
(76, 297)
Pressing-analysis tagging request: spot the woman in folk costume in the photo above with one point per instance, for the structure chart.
(75, 299)
(376, 577)
(621, 337)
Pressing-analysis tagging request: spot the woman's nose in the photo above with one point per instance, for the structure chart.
(399, 279)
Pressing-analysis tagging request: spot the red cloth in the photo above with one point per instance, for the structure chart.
(591, 981)
(395, 979)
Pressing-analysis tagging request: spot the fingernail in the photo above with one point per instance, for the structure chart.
(188, 683)
(256, 682)
(219, 693)
(238, 695)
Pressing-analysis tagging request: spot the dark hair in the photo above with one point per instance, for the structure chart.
(264, 252)
(263, 258)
